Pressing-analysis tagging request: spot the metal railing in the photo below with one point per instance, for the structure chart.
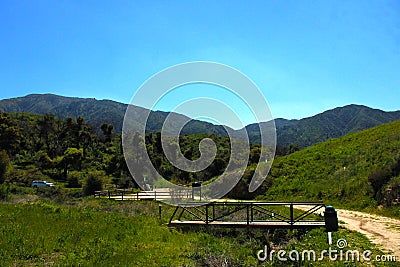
(249, 214)
(129, 194)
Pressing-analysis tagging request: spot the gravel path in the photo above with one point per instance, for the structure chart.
(380, 230)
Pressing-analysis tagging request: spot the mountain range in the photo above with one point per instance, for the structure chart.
(332, 123)
(304, 132)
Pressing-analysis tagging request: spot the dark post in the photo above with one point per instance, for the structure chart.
(248, 214)
(251, 210)
(196, 187)
(206, 213)
(291, 214)
(213, 211)
(331, 219)
(159, 211)
(331, 222)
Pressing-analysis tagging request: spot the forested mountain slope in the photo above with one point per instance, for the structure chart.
(97, 112)
(329, 124)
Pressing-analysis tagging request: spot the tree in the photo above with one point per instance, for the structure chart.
(72, 159)
(135, 158)
(47, 130)
(107, 131)
(4, 165)
(217, 167)
(294, 148)
(86, 139)
(93, 183)
(10, 136)
(382, 176)
(68, 134)
(74, 180)
(255, 153)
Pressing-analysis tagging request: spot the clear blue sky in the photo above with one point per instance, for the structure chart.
(306, 56)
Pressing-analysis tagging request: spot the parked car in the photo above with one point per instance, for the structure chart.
(39, 183)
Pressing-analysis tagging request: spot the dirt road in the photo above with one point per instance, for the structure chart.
(380, 230)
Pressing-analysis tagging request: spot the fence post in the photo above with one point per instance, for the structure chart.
(291, 214)
(251, 210)
(213, 211)
(248, 215)
(206, 213)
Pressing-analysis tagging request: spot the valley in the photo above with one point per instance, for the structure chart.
(358, 172)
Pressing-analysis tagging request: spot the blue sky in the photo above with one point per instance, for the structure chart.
(305, 56)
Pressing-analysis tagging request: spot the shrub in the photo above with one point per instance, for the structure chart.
(25, 177)
(74, 179)
(93, 183)
(4, 165)
(48, 192)
(4, 192)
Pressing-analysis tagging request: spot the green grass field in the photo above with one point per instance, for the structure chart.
(94, 232)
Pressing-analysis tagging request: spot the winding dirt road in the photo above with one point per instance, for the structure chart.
(380, 230)
(383, 231)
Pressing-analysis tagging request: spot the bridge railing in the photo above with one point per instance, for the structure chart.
(129, 194)
(249, 213)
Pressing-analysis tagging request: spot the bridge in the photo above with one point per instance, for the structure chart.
(230, 213)
(236, 214)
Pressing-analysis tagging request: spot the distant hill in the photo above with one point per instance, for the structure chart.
(329, 124)
(358, 170)
(305, 132)
(97, 112)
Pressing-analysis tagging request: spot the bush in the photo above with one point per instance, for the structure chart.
(48, 192)
(4, 165)
(74, 179)
(4, 192)
(93, 183)
(73, 193)
(381, 177)
(25, 177)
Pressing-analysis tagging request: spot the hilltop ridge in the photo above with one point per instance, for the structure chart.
(303, 132)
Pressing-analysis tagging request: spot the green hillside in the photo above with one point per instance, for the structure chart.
(358, 170)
